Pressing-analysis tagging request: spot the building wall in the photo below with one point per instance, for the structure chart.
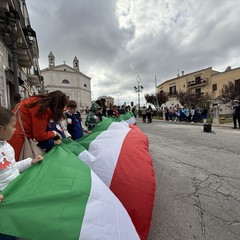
(225, 77)
(17, 54)
(3, 83)
(75, 84)
(208, 78)
(183, 82)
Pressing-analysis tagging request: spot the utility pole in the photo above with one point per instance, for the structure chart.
(156, 94)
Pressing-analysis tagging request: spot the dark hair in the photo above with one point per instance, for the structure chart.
(55, 100)
(99, 102)
(72, 104)
(5, 116)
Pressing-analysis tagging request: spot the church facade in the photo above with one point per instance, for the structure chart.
(69, 80)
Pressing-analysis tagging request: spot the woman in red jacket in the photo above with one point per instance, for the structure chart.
(36, 112)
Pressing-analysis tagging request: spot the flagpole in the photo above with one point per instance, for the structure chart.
(156, 93)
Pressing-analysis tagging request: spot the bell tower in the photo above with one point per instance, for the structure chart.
(51, 60)
(76, 64)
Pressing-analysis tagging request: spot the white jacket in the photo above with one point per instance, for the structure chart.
(14, 169)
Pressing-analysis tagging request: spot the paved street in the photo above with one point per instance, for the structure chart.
(198, 181)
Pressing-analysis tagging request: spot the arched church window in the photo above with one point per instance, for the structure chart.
(65, 81)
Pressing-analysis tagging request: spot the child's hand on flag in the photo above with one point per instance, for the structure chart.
(58, 142)
(37, 159)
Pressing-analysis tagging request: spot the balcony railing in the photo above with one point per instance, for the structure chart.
(198, 83)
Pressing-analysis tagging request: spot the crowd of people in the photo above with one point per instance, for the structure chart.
(46, 118)
(186, 114)
(99, 109)
(147, 114)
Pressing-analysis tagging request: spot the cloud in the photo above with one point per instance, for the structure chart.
(115, 41)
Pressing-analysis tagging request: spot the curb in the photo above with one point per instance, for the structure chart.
(228, 125)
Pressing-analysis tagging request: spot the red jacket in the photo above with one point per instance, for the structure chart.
(35, 127)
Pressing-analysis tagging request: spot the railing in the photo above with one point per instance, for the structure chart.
(194, 83)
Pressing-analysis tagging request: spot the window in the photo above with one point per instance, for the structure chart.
(198, 80)
(65, 81)
(237, 85)
(198, 91)
(85, 85)
(172, 90)
(214, 87)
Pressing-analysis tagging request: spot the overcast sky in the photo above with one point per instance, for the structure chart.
(115, 41)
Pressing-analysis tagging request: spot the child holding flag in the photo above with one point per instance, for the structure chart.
(9, 168)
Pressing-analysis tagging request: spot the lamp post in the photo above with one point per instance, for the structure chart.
(138, 89)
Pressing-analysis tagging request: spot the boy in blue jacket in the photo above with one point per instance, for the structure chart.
(72, 124)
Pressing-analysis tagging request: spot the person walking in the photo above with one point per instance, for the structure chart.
(144, 111)
(36, 113)
(204, 115)
(149, 114)
(237, 115)
(235, 104)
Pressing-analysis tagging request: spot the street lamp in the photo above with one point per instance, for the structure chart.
(138, 89)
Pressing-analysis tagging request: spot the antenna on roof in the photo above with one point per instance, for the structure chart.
(178, 75)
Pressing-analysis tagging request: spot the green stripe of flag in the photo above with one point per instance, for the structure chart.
(55, 191)
(97, 130)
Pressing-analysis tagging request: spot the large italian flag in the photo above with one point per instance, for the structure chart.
(62, 198)
(118, 153)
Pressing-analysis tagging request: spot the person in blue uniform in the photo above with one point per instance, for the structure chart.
(72, 124)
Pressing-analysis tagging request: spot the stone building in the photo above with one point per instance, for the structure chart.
(19, 69)
(201, 82)
(109, 101)
(69, 80)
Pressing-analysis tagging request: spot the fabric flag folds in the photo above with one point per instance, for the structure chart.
(118, 153)
(62, 198)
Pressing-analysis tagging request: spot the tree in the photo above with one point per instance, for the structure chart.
(156, 99)
(150, 98)
(193, 99)
(228, 93)
(187, 98)
(161, 98)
